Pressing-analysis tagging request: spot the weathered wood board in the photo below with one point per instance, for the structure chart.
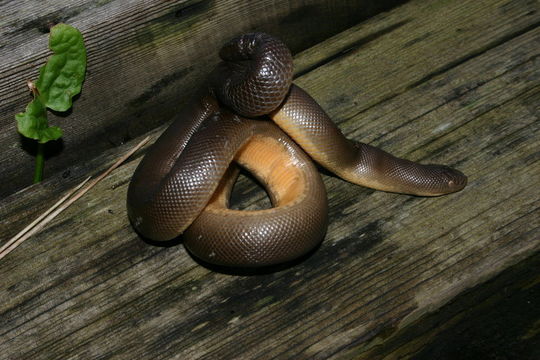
(455, 82)
(497, 319)
(143, 58)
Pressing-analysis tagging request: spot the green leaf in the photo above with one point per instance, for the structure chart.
(62, 77)
(33, 123)
(59, 80)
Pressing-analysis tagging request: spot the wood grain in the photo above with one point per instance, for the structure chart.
(455, 82)
(144, 60)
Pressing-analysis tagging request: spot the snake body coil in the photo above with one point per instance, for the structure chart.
(183, 184)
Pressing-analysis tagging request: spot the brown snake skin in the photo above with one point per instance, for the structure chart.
(183, 184)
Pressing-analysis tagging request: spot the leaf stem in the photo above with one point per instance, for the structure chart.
(62, 204)
(40, 161)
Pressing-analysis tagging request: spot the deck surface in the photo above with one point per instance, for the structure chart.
(454, 82)
(144, 56)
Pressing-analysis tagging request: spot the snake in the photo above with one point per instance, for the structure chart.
(249, 115)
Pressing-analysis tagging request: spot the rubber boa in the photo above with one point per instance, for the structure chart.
(252, 115)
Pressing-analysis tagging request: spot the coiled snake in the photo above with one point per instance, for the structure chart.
(183, 184)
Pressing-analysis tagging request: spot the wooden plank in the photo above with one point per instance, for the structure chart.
(497, 319)
(88, 287)
(144, 58)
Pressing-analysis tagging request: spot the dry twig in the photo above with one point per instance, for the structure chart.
(63, 204)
